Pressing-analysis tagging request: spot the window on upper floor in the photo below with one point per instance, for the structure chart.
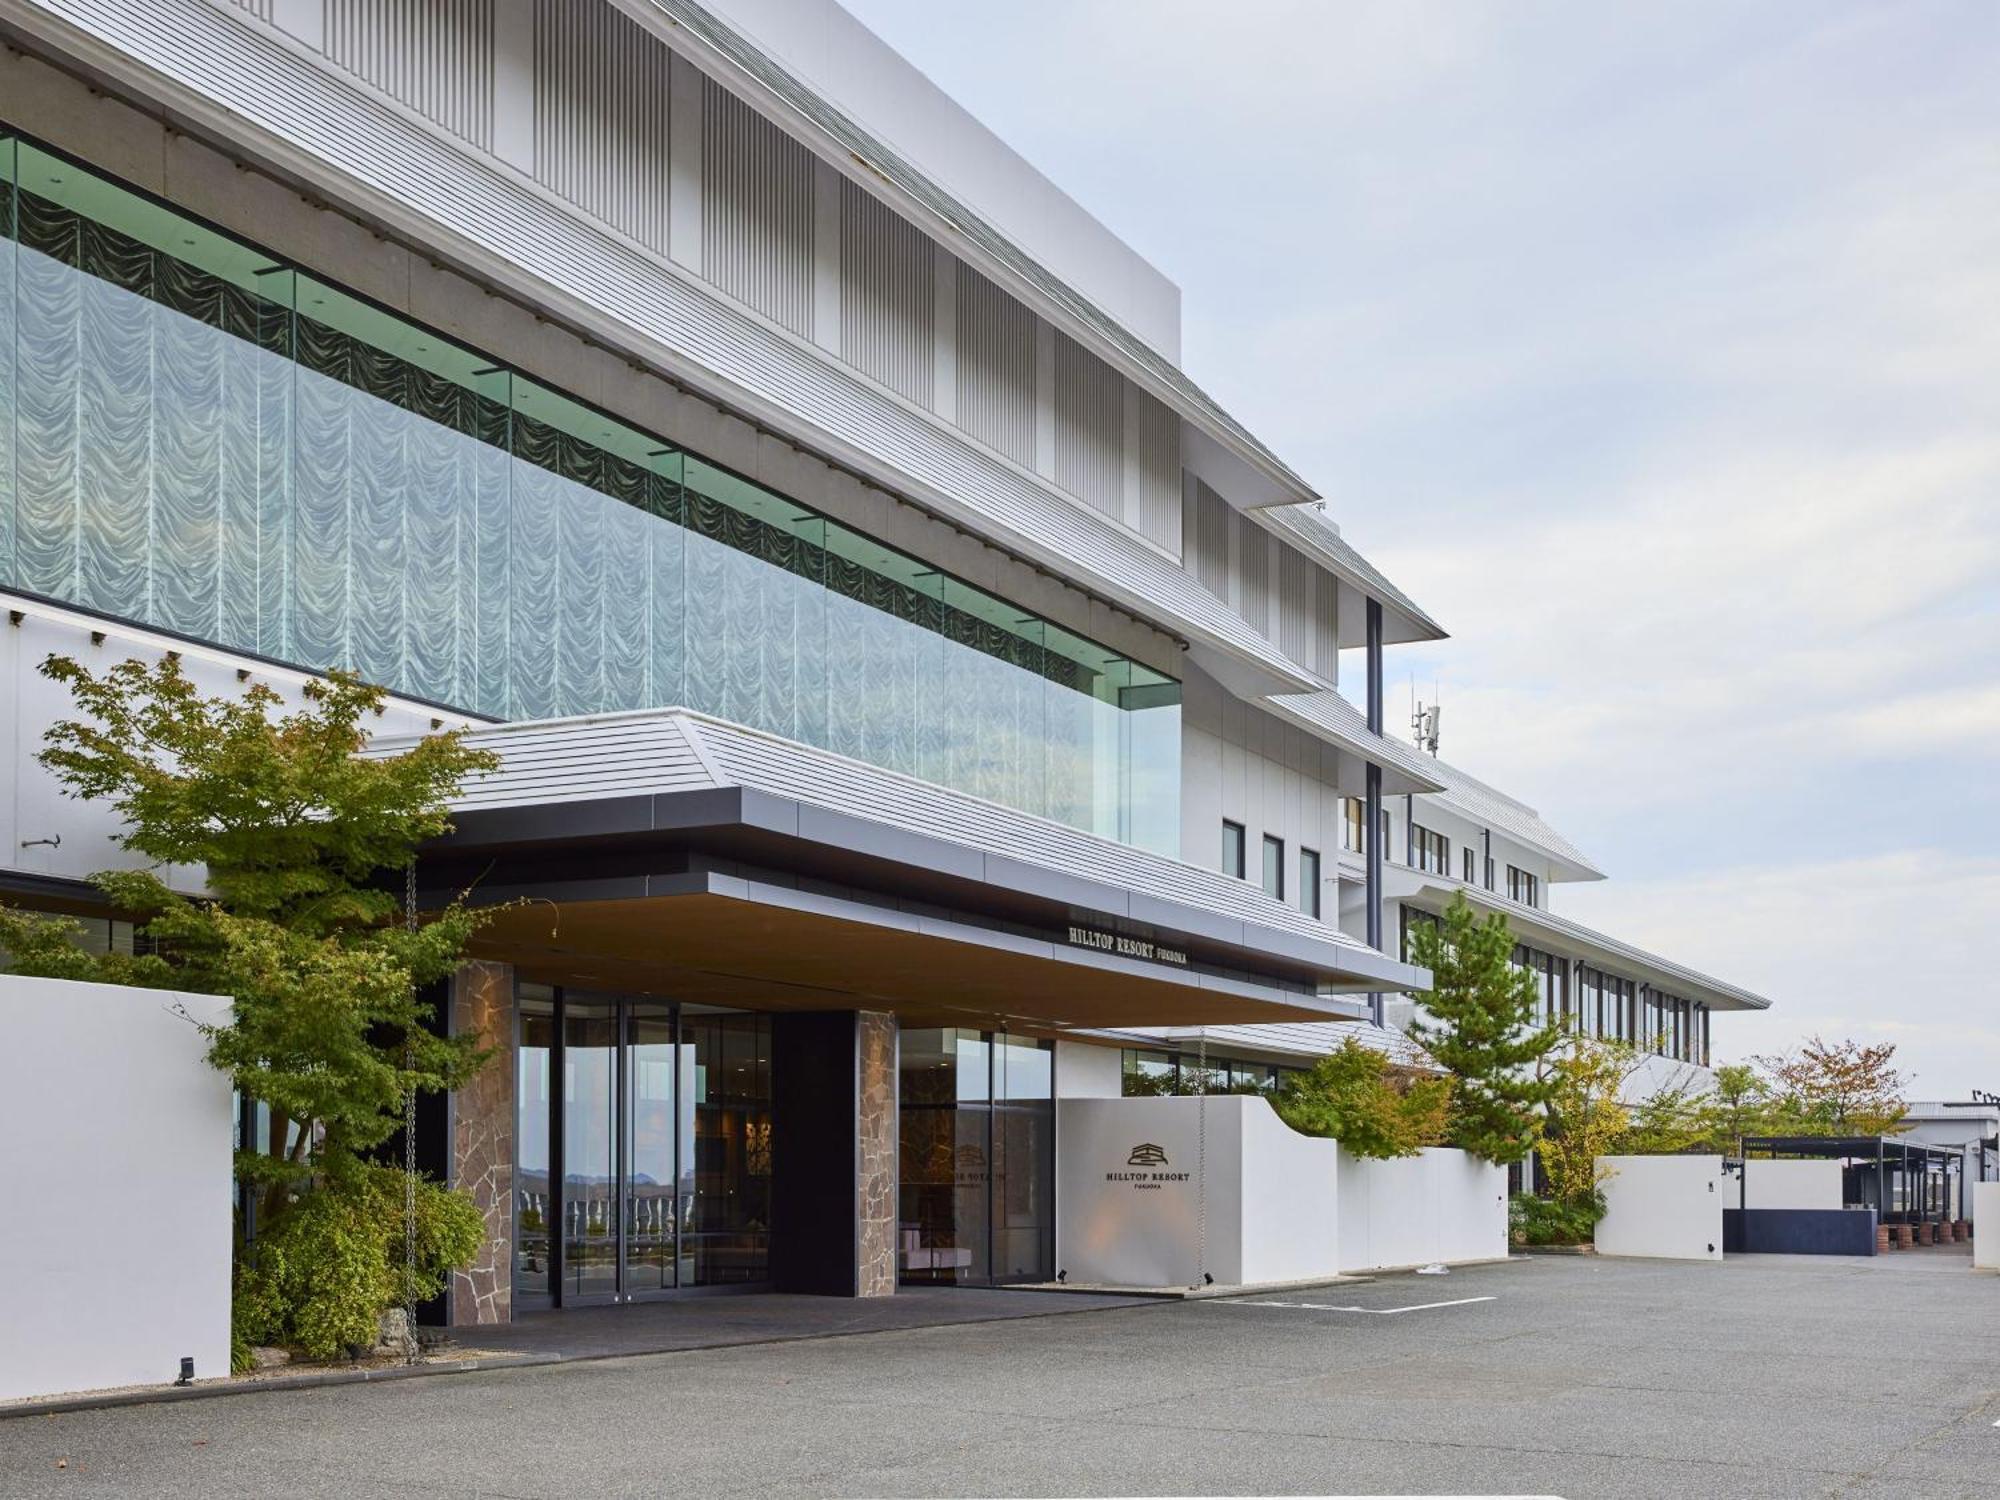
(1523, 887)
(1232, 849)
(1354, 825)
(1309, 882)
(1471, 862)
(277, 466)
(1274, 868)
(1411, 920)
(1429, 851)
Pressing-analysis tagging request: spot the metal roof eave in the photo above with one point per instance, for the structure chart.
(1307, 528)
(871, 163)
(1434, 893)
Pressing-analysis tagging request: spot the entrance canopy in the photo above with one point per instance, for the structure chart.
(667, 852)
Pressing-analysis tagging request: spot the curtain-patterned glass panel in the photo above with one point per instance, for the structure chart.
(196, 437)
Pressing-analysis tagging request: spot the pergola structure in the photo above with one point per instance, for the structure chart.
(1911, 1182)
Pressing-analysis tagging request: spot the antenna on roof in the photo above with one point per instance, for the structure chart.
(1424, 722)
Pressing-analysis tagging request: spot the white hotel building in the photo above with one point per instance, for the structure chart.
(917, 698)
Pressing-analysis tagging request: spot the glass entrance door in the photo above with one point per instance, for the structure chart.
(642, 1147)
(592, 1195)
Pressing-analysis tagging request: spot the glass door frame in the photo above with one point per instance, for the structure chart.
(625, 1007)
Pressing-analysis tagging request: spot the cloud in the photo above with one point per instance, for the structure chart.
(1889, 949)
(1655, 349)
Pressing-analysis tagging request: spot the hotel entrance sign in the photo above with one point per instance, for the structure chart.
(1126, 947)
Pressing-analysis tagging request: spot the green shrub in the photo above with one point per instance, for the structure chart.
(334, 1263)
(1355, 1097)
(1533, 1220)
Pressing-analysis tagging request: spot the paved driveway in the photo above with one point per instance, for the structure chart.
(1761, 1377)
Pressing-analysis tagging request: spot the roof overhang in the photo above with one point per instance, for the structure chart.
(1569, 939)
(582, 852)
(719, 939)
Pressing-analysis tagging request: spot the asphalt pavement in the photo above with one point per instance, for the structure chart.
(1765, 1376)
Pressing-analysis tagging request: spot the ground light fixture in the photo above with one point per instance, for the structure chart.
(187, 1370)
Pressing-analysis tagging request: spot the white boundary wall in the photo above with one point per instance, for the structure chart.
(1986, 1210)
(1280, 1206)
(1666, 1207)
(1438, 1206)
(1792, 1184)
(1128, 1218)
(116, 1176)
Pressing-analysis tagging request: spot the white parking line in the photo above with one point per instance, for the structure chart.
(1383, 1312)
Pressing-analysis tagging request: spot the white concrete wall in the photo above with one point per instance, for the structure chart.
(33, 808)
(1665, 1207)
(1441, 1205)
(1791, 1184)
(116, 1178)
(1240, 763)
(1270, 1194)
(1085, 1070)
(1280, 1206)
(1986, 1211)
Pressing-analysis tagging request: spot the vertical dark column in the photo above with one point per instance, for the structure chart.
(833, 1153)
(1372, 841)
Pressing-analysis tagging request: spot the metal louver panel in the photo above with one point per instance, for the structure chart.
(1208, 554)
(1090, 427)
(1152, 468)
(1296, 608)
(996, 367)
(888, 296)
(436, 57)
(601, 94)
(1253, 570)
(757, 210)
(257, 7)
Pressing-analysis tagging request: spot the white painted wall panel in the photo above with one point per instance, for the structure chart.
(118, 1179)
(1986, 1210)
(33, 805)
(1440, 1206)
(1664, 1207)
(602, 105)
(1268, 1195)
(1790, 1184)
(1085, 1070)
(436, 57)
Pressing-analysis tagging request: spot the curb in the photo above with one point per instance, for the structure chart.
(162, 1395)
(306, 1380)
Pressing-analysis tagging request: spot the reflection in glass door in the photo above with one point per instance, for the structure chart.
(642, 1147)
(651, 1120)
(591, 1177)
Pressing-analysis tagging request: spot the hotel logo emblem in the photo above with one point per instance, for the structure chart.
(1146, 1154)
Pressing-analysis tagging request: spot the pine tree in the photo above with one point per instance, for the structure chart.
(1481, 1029)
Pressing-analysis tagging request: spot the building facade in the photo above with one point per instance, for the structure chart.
(909, 686)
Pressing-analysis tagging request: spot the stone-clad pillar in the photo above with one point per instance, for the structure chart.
(482, 1140)
(876, 1147)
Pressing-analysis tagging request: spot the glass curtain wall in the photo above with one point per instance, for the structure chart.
(977, 1190)
(196, 436)
(642, 1147)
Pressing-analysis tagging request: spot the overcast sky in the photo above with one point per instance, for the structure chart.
(1655, 349)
